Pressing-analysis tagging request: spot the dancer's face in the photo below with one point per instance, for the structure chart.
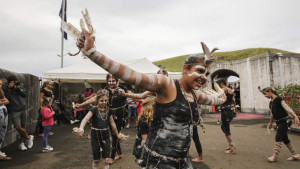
(267, 94)
(102, 103)
(197, 75)
(112, 83)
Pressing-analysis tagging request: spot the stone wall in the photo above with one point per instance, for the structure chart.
(255, 71)
(32, 86)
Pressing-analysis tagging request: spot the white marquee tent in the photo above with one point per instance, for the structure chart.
(86, 70)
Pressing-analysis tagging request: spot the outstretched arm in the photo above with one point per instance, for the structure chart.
(209, 99)
(90, 101)
(153, 82)
(138, 96)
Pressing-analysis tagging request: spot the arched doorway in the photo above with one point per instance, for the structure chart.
(233, 81)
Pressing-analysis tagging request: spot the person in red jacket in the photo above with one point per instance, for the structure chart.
(47, 121)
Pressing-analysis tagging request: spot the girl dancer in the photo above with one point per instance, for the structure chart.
(227, 115)
(117, 103)
(169, 138)
(145, 120)
(280, 110)
(101, 117)
(47, 121)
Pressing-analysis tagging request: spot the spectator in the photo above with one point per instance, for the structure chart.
(17, 110)
(47, 121)
(132, 110)
(79, 113)
(46, 92)
(3, 122)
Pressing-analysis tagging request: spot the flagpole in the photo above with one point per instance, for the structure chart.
(62, 36)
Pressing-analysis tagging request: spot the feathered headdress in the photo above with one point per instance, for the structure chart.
(207, 54)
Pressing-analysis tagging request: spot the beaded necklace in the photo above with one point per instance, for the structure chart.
(100, 113)
(195, 100)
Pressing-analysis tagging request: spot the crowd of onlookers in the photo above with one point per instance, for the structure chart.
(13, 107)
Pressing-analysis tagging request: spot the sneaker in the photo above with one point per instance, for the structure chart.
(30, 141)
(51, 133)
(127, 126)
(22, 147)
(72, 121)
(76, 120)
(2, 154)
(42, 134)
(47, 149)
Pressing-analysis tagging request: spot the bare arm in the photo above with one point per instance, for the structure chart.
(139, 96)
(114, 127)
(41, 99)
(154, 82)
(87, 117)
(209, 99)
(271, 121)
(90, 101)
(290, 111)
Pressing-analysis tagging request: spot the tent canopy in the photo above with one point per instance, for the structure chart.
(86, 70)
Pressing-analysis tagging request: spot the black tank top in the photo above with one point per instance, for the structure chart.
(100, 120)
(277, 109)
(170, 131)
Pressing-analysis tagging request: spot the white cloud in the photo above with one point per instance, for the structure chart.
(30, 36)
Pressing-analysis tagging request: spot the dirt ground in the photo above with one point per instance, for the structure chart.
(253, 143)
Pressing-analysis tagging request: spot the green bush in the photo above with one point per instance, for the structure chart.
(290, 93)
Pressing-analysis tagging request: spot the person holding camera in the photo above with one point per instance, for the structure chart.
(17, 110)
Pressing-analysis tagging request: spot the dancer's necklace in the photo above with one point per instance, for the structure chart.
(100, 113)
(195, 100)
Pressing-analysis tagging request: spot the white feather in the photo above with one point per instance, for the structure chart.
(87, 20)
(82, 24)
(70, 29)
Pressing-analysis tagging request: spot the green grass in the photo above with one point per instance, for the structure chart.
(175, 64)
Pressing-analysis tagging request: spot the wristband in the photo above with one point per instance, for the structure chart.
(89, 52)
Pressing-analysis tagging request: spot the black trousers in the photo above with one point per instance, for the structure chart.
(197, 140)
(226, 117)
(100, 139)
(281, 134)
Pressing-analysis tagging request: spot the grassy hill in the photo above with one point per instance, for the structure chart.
(175, 64)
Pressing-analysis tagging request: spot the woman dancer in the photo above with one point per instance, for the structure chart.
(227, 115)
(169, 138)
(101, 117)
(280, 113)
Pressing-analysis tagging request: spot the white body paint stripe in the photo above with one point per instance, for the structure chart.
(127, 73)
(195, 73)
(159, 77)
(151, 79)
(138, 78)
(105, 63)
(114, 68)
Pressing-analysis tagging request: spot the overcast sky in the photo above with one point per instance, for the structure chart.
(131, 29)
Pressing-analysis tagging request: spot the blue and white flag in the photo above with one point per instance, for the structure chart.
(65, 16)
